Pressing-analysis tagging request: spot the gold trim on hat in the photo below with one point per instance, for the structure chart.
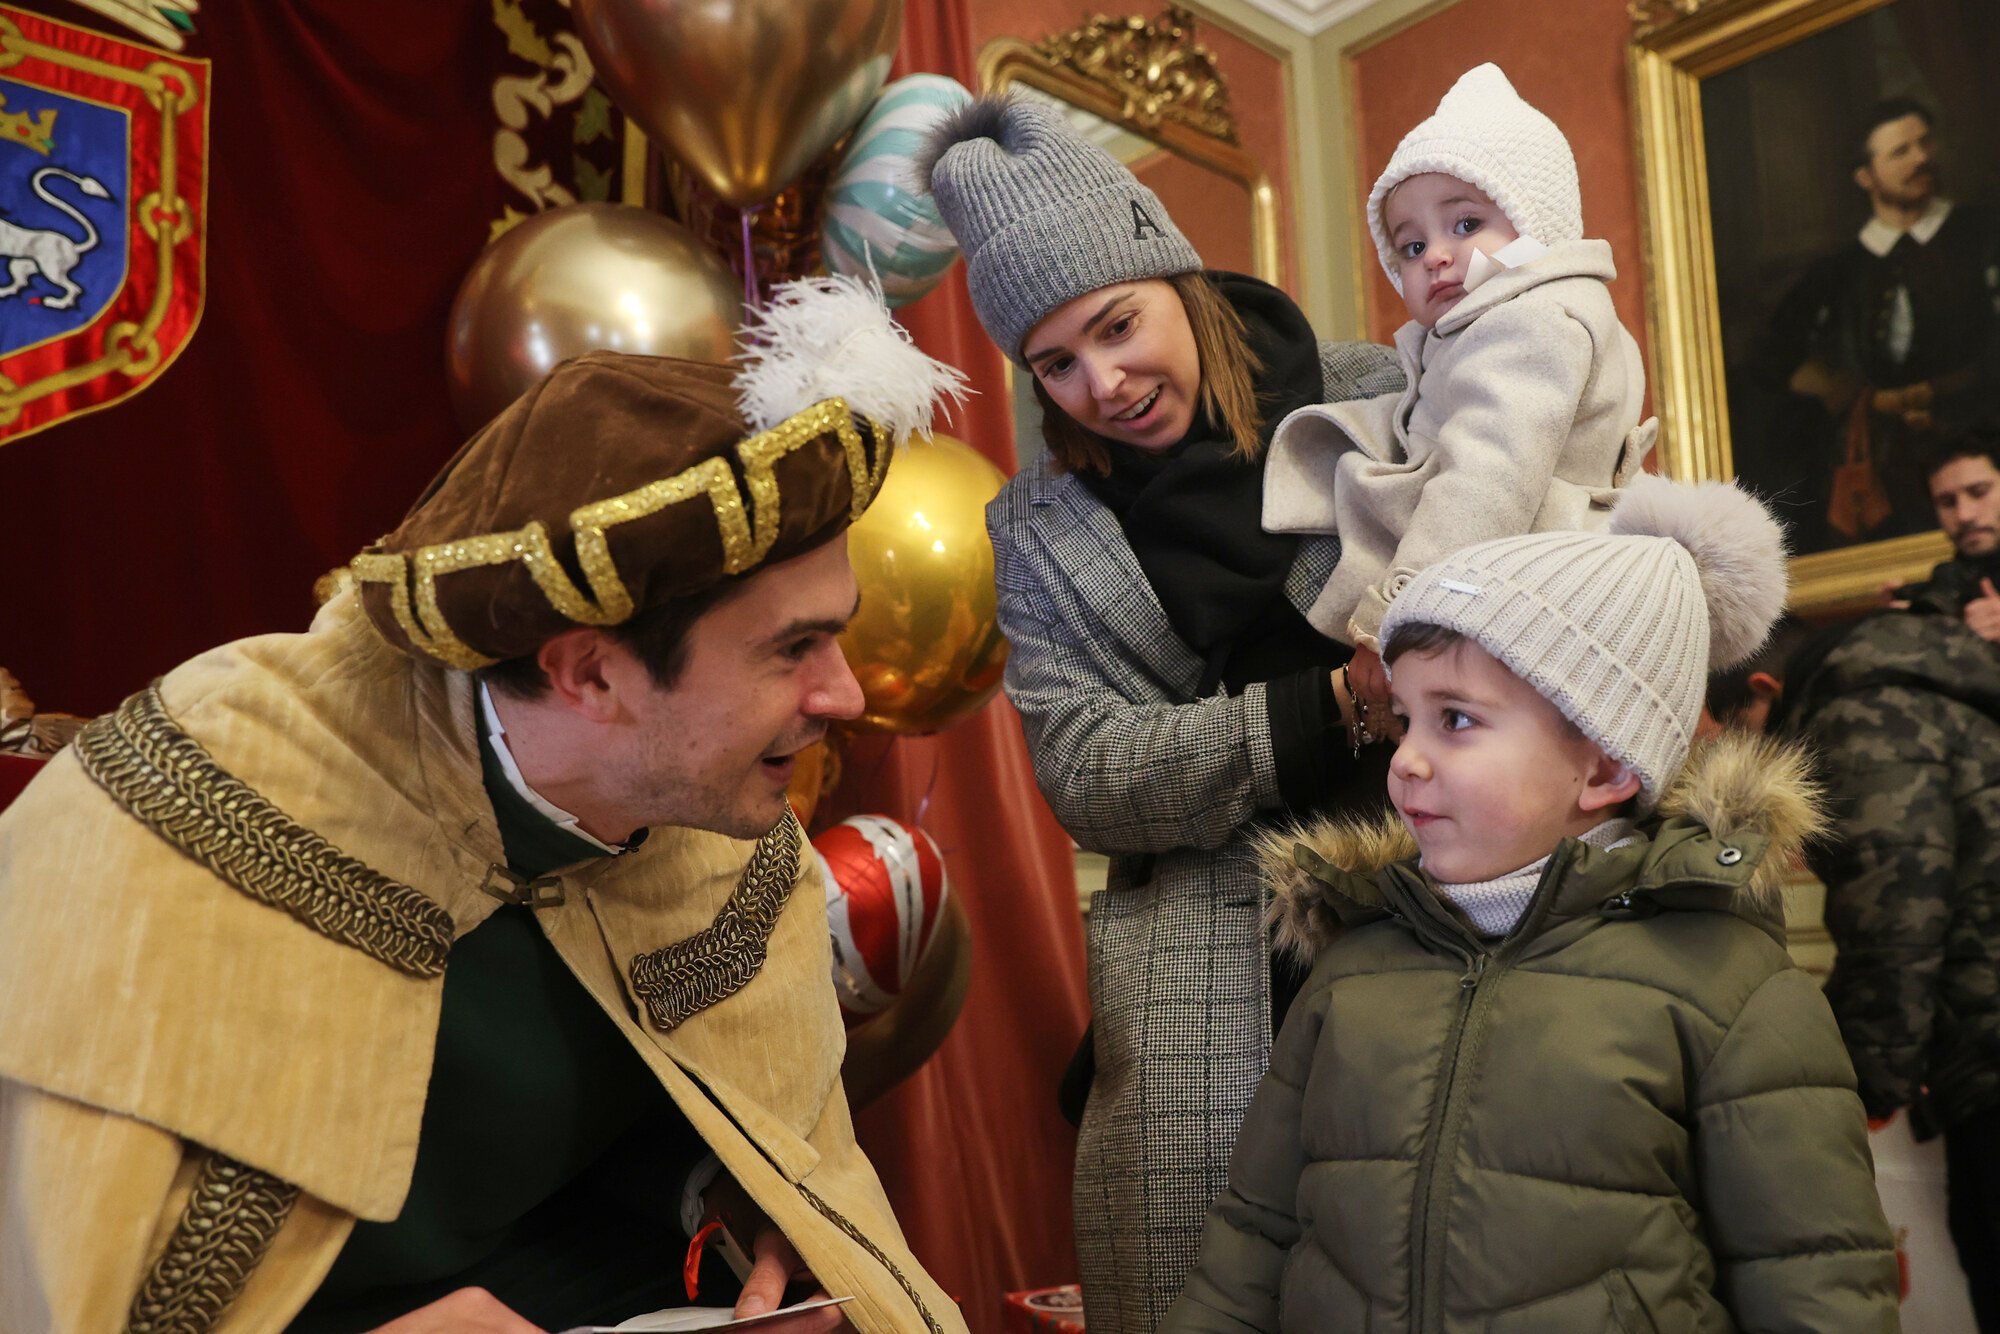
(745, 540)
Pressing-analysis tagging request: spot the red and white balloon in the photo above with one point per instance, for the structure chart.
(885, 894)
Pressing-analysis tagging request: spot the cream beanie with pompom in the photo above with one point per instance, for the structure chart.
(1484, 134)
(1621, 629)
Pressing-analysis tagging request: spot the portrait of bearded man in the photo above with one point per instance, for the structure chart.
(1893, 333)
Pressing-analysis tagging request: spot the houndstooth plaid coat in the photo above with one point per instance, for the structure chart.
(1168, 785)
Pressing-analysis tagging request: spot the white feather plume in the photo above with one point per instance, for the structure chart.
(820, 338)
(1738, 550)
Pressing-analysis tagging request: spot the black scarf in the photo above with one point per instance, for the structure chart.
(1193, 513)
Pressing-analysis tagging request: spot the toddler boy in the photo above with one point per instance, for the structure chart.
(1553, 1069)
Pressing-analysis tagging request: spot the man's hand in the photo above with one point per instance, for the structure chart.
(1982, 614)
(1835, 389)
(1912, 403)
(775, 1266)
(467, 1311)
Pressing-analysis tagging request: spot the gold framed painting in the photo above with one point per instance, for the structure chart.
(1818, 183)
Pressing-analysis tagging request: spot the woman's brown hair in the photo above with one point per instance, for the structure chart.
(1228, 383)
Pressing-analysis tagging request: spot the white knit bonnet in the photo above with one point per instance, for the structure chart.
(1484, 134)
(1621, 629)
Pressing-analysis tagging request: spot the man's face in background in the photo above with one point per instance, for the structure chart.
(1902, 164)
(1966, 492)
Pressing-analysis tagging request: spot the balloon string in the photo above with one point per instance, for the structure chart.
(930, 789)
(751, 296)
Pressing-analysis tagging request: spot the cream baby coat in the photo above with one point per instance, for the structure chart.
(1521, 415)
(1521, 404)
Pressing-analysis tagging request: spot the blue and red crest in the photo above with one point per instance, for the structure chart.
(103, 195)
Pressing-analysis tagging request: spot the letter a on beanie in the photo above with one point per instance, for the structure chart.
(1042, 215)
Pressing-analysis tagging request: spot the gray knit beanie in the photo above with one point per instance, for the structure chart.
(1621, 629)
(1041, 215)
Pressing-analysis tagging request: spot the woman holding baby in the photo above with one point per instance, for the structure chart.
(1226, 507)
(1176, 700)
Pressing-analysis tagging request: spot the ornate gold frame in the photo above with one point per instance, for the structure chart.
(1675, 45)
(1152, 77)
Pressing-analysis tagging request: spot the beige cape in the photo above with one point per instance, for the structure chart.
(158, 1016)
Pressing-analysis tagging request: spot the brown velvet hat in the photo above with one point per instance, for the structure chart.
(622, 482)
(618, 483)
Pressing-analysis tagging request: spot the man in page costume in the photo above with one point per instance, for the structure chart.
(465, 941)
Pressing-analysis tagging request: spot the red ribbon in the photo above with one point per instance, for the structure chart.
(691, 1267)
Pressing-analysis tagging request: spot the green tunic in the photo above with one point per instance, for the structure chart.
(551, 1162)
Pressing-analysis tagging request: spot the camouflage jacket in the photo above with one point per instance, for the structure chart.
(1904, 708)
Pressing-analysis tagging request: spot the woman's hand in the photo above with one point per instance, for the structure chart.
(1369, 681)
(777, 1263)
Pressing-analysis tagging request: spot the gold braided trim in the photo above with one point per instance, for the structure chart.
(223, 1232)
(835, 1217)
(681, 980)
(748, 532)
(165, 780)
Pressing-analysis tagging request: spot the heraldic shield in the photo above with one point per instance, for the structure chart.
(103, 181)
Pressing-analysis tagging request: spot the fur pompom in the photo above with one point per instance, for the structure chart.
(982, 118)
(820, 338)
(1738, 549)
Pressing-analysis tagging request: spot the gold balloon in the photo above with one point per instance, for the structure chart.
(576, 279)
(926, 645)
(813, 776)
(746, 93)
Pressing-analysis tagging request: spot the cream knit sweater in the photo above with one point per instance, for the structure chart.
(1496, 905)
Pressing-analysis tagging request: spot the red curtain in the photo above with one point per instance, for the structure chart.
(351, 181)
(972, 1149)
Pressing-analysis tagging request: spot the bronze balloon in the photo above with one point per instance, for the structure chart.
(575, 279)
(746, 93)
(784, 234)
(926, 645)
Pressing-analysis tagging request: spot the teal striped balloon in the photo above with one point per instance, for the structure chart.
(876, 224)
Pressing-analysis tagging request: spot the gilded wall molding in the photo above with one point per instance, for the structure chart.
(1155, 67)
(1649, 16)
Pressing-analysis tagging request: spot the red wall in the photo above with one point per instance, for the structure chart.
(1210, 212)
(1256, 79)
(1568, 60)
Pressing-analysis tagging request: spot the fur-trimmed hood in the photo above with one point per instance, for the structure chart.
(1728, 828)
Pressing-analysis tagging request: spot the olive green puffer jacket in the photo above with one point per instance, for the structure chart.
(1631, 1114)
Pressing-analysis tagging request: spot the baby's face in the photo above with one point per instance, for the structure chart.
(1435, 223)
(1489, 776)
